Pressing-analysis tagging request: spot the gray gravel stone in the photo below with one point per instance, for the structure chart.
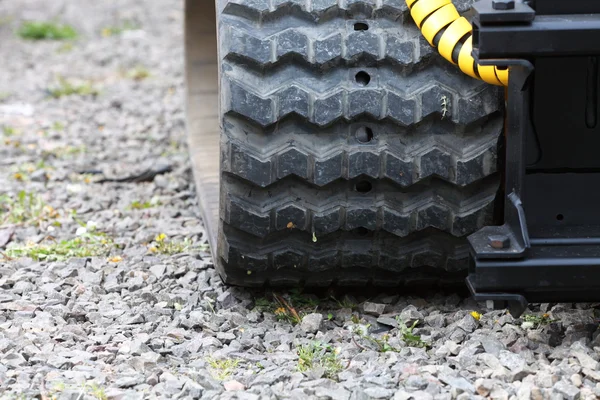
(492, 345)
(333, 394)
(129, 381)
(410, 314)
(375, 309)
(311, 322)
(14, 360)
(483, 387)
(458, 383)
(585, 360)
(567, 390)
(417, 395)
(512, 361)
(467, 323)
(378, 393)
(436, 320)
(546, 379)
(576, 380)
(158, 270)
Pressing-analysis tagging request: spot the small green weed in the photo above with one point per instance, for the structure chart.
(222, 369)
(86, 245)
(138, 205)
(410, 338)
(289, 307)
(345, 302)
(90, 389)
(138, 73)
(37, 30)
(302, 300)
(58, 126)
(4, 95)
(536, 321)
(10, 131)
(382, 344)
(21, 172)
(162, 245)
(26, 208)
(287, 314)
(143, 205)
(96, 391)
(64, 151)
(115, 30)
(317, 354)
(66, 87)
(263, 304)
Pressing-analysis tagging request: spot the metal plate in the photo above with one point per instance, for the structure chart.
(202, 108)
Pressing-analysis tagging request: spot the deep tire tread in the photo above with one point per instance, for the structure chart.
(291, 213)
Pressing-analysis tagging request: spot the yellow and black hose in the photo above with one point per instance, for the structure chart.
(444, 28)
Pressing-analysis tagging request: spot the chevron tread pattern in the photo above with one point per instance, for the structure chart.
(304, 201)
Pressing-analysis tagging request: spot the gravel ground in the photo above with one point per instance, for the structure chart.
(139, 312)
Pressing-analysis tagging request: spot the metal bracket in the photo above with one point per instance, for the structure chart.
(547, 248)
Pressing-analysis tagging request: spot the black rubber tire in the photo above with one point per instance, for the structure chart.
(350, 152)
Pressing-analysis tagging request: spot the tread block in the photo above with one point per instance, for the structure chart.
(361, 217)
(292, 162)
(329, 109)
(463, 224)
(362, 43)
(363, 163)
(255, 224)
(437, 162)
(401, 110)
(394, 264)
(433, 216)
(324, 262)
(294, 100)
(245, 45)
(396, 223)
(292, 41)
(292, 217)
(328, 49)
(257, 108)
(365, 101)
(480, 105)
(327, 221)
(249, 167)
(288, 260)
(481, 165)
(398, 170)
(437, 100)
(328, 170)
(400, 51)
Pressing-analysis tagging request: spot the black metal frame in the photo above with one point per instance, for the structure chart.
(548, 249)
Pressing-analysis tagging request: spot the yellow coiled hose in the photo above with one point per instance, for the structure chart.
(443, 27)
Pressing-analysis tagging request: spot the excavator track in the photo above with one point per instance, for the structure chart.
(332, 145)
